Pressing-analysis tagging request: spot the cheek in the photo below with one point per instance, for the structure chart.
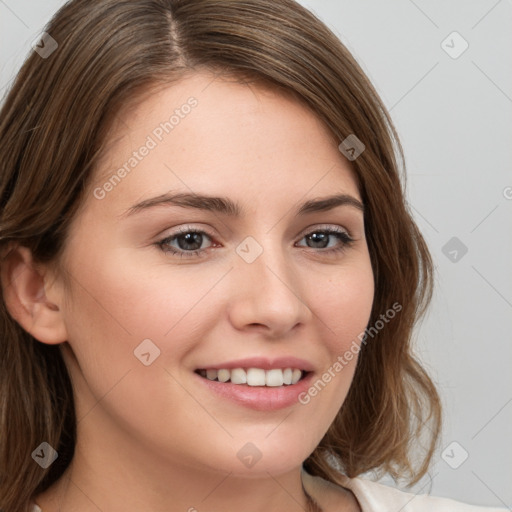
(344, 304)
(117, 305)
(114, 308)
(344, 308)
(133, 298)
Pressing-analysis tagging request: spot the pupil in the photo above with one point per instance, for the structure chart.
(320, 240)
(190, 238)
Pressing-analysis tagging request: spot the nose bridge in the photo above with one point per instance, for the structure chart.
(266, 262)
(269, 291)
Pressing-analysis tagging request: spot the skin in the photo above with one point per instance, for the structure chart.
(151, 437)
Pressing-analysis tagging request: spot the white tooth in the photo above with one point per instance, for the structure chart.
(287, 376)
(255, 377)
(223, 375)
(296, 375)
(211, 374)
(238, 376)
(274, 377)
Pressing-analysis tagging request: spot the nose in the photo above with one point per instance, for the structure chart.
(268, 295)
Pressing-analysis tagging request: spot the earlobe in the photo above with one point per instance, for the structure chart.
(23, 285)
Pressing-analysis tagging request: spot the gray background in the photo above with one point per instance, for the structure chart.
(454, 119)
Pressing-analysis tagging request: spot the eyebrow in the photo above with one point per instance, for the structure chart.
(227, 207)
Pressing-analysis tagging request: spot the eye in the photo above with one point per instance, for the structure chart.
(321, 238)
(188, 242)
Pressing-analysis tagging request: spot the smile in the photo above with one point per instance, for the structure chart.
(275, 377)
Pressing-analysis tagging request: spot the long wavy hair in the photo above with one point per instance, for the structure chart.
(53, 125)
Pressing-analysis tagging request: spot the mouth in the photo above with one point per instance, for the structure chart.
(254, 377)
(258, 383)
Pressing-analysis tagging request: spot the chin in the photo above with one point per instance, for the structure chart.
(275, 453)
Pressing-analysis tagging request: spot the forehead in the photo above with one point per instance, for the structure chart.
(211, 132)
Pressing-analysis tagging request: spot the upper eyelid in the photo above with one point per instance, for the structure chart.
(326, 227)
(305, 231)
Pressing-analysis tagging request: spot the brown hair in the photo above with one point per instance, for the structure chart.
(53, 125)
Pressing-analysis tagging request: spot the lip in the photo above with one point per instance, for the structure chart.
(263, 363)
(259, 398)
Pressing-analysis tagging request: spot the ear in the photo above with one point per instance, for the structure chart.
(25, 287)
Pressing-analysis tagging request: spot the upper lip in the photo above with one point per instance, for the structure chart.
(263, 363)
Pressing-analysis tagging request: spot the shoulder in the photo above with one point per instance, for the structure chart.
(376, 497)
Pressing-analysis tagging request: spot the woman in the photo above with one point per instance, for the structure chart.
(209, 273)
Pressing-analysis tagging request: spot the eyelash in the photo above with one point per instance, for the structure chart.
(343, 236)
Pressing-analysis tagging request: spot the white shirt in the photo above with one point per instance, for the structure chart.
(376, 497)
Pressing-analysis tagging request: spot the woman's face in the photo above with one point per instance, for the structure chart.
(264, 277)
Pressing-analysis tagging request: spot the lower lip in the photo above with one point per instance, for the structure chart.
(260, 398)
